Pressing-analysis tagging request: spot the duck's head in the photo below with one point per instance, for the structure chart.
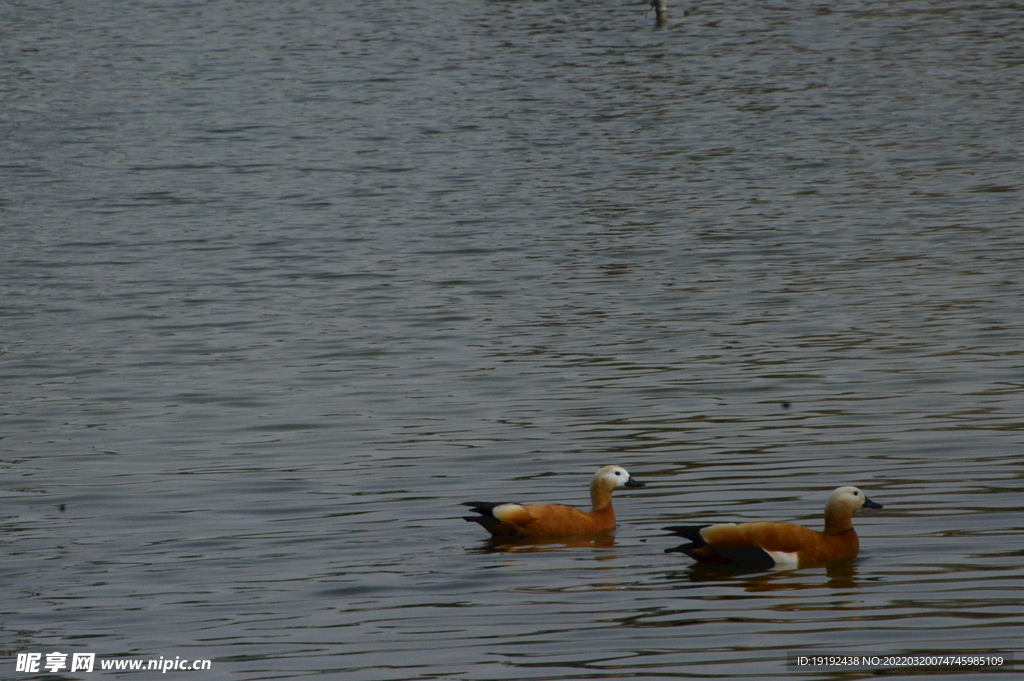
(613, 477)
(849, 499)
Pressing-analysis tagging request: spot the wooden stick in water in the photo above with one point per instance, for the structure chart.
(660, 11)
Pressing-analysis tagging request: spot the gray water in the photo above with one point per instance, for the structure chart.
(284, 283)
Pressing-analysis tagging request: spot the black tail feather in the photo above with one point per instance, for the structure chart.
(486, 518)
(484, 508)
(691, 532)
(682, 548)
(750, 557)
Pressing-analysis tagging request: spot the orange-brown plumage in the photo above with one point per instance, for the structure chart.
(771, 544)
(556, 520)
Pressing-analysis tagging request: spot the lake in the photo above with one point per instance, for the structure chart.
(286, 283)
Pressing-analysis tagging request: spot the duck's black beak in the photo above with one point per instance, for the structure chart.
(871, 504)
(633, 482)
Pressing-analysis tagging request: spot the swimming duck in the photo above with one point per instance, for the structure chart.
(556, 520)
(772, 544)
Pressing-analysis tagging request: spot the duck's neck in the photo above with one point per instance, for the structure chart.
(837, 520)
(600, 497)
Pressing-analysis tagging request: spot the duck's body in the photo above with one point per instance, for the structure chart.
(773, 544)
(555, 520)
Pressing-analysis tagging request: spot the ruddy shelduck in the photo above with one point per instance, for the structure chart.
(767, 545)
(556, 520)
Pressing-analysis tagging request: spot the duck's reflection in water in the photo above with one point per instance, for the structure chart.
(541, 545)
(840, 575)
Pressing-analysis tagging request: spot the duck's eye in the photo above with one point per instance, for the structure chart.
(856, 494)
(618, 472)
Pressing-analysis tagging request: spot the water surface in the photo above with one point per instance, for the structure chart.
(283, 284)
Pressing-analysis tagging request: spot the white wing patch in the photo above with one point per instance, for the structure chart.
(783, 559)
(505, 512)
